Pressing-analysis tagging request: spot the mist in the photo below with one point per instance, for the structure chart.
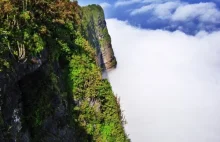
(168, 83)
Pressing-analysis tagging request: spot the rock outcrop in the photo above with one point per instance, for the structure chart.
(97, 33)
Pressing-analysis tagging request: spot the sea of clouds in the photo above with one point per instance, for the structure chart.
(168, 82)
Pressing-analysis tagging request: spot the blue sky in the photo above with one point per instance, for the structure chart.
(189, 16)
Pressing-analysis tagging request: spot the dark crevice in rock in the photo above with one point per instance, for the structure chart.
(44, 112)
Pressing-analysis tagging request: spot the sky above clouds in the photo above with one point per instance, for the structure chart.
(189, 16)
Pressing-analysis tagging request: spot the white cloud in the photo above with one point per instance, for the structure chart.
(143, 9)
(157, 1)
(161, 10)
(205, 12)
(180, 11)
(105, 5)
(164, 11)
(130, 2)
(126, 2)
(168, 82)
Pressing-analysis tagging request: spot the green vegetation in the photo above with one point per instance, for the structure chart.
(97, 108)
(30, 27)
(93, 22)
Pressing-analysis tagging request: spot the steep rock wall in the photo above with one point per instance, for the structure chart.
(95, 29)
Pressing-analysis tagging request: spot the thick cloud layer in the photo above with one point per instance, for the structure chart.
(168, 82)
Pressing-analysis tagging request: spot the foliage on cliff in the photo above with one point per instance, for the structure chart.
(97, 107)
(28, 28)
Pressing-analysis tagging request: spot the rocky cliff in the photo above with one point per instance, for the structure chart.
(96, 31)
(51, 88)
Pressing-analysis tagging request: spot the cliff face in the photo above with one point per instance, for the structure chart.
(51, 88)
(96, 31)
